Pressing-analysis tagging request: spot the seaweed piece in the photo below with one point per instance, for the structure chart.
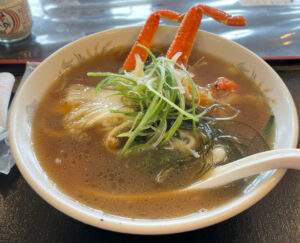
(268, 128)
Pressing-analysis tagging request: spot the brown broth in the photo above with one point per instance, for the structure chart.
(85, 171)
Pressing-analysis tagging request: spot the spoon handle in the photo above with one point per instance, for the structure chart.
(251, 165)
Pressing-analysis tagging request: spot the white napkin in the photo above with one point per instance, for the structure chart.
(7, 81)
(6, 84)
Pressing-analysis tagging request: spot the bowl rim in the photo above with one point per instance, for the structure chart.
(157, 226)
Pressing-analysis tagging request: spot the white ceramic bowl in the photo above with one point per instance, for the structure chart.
(40, 80)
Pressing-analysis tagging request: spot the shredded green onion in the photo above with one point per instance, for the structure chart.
(159, 96)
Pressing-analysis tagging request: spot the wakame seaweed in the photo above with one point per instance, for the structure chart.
(268, 128)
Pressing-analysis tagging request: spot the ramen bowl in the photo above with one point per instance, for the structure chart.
(32, 91)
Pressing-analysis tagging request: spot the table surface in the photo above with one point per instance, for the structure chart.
(25, 217)
(272, 30)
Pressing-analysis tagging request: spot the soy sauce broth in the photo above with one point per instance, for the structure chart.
(85, 171)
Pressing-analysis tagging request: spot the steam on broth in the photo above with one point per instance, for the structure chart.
(144, 184)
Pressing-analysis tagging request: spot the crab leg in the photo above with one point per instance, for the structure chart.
(186, 34)
(185, 37)
(147, 34)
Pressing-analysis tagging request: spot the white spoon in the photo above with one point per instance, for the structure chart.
(251, 165)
